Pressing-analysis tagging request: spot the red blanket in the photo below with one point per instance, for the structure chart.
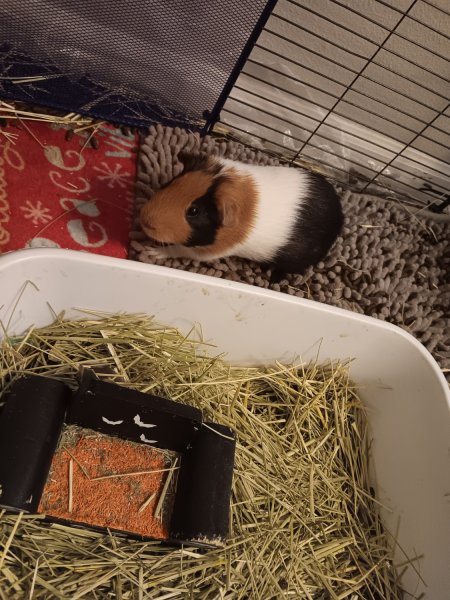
(60, 193)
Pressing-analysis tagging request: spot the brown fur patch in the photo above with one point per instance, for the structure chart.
(237, 199)
(163, 216)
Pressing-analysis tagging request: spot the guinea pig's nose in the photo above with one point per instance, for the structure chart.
(145, 221)
(145, 224)
(147, 229)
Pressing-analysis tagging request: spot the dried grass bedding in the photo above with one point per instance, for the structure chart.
(305, 523)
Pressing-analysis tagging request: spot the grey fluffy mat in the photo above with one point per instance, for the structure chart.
(388, 263)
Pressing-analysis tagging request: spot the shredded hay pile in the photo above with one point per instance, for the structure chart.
(304, 522)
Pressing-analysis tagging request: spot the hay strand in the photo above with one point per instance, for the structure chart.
(165, 489)
(70, 507)
(16, 112)
(147, 502)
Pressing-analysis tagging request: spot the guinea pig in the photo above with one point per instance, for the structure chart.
(286, 218)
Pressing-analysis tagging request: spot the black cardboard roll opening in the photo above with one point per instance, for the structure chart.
(201, 510)
(30, 426)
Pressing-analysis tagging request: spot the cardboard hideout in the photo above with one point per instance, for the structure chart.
(38, 408)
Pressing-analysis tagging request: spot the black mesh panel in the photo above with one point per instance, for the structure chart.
(132, 61)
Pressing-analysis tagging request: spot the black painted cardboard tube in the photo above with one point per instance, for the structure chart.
(30, 427)
(201, 511)
(132, 415)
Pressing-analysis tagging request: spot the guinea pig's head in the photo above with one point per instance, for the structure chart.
(192, 207)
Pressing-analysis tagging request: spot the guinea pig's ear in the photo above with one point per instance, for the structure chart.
(198, 162)
(228, 211)
(193, 161)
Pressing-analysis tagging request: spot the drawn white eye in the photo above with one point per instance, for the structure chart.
(137, 419)
(146, 440)
(108, 422)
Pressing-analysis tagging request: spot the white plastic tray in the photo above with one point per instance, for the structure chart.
(400, 382)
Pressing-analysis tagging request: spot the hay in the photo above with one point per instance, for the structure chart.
(18, 114)
(18, 110)
(304, 521)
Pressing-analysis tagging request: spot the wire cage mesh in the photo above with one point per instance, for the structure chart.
(360, 90)
(127, 61)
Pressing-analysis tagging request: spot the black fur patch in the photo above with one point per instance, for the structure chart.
(206, 222)
(318, 225)
(199, 162)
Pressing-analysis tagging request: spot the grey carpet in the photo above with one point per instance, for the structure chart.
(388, 264)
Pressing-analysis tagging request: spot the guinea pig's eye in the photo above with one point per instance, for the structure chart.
(192, 211)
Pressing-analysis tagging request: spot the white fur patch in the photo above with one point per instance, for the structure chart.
(280, 190)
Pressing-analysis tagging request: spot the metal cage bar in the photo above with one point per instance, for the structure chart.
(359, 90)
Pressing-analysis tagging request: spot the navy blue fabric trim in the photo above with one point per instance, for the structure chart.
(66, 95)
(151, 113)
(84, 97)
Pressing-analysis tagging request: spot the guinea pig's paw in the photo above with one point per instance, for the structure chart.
(157, 253)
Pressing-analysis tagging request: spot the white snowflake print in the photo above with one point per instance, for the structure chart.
(113, 177)
(37, 214)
